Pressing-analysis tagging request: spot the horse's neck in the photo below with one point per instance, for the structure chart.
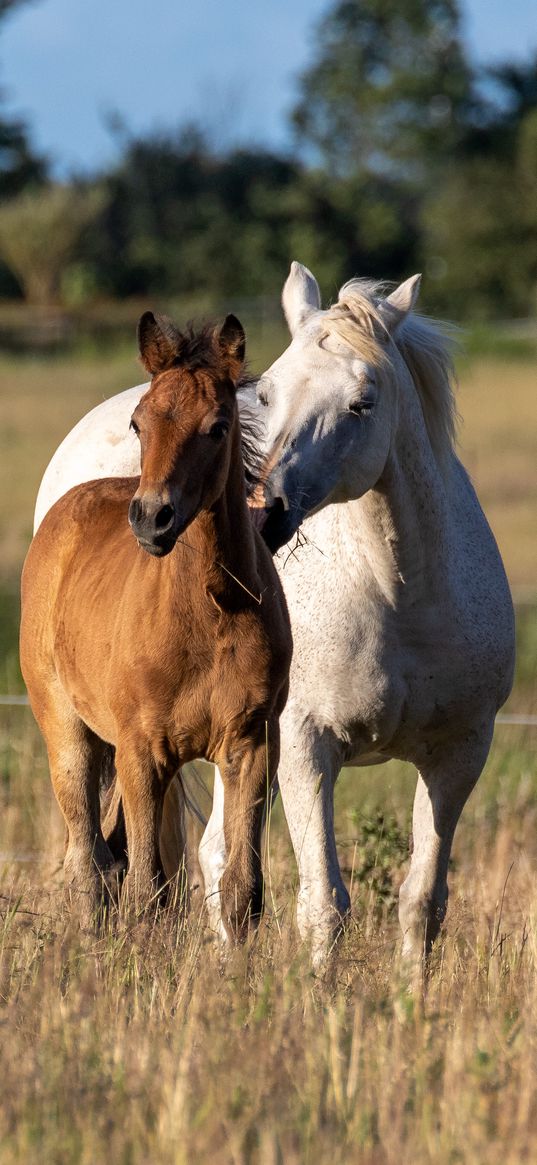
(232, 530)
(401, 528)
(222, 538)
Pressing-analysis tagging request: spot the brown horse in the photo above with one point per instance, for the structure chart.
(179, 652)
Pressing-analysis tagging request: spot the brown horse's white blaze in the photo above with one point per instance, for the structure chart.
(168, 655)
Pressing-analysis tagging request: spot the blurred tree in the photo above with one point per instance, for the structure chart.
(39, 232)
(471, 260)
(479, 228)
(341, 227)
(518, 85)
(180, 219)
(19, 166)
(410, 158)
(390, 90)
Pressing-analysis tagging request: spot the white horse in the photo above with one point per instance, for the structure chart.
(401, 614)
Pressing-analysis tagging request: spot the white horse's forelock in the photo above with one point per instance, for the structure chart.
(425, 345)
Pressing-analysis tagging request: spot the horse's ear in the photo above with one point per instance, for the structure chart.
(300, 296)
(398, 305)
(232, 341)
(159, 342)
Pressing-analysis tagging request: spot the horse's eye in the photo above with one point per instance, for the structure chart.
(134, 427)
(219, 430)
(361, 408)
(262, 398)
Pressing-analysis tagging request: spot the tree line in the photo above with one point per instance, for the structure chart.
(405, 157)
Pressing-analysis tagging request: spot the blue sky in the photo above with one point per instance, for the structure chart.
(66, 65)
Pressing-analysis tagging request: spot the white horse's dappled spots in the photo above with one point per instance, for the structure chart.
(401, 614)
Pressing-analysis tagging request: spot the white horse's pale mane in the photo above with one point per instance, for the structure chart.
(426, 346)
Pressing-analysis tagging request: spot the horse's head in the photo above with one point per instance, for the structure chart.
(331, 404)
(185, 423)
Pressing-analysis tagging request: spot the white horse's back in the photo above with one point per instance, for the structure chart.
(100, 445)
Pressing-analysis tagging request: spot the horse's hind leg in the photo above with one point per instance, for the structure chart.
(75, 756)
(212, 856)
(113, 822)
(178, 837)
(444, 785)
(187, 783)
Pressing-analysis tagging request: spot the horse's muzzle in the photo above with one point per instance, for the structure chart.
(280, 525)
(155, 526)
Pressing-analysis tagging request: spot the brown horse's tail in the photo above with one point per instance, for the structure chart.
(182, 824)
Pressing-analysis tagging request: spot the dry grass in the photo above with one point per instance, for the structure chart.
(144, 1045)
(40, 402)
(498, 404)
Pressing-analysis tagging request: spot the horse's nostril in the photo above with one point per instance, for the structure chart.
(135, 511)
(164, 518)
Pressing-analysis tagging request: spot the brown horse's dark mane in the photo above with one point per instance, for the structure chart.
(253, 458)
(198, 348)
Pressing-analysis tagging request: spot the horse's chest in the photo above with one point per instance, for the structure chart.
(188, 692)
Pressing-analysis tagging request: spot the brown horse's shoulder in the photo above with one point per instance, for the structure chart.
(100, 501)
(64, 547)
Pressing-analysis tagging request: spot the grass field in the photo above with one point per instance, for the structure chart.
(143, 1046)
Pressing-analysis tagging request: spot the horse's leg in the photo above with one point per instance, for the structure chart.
(212, 856)
(193, 831)
(179, 833)
(75, 757)
(212, 851)
(113, 821)
(444, 784)
(172, 845)
(247, 777)
(143, 786)
(309, 766)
